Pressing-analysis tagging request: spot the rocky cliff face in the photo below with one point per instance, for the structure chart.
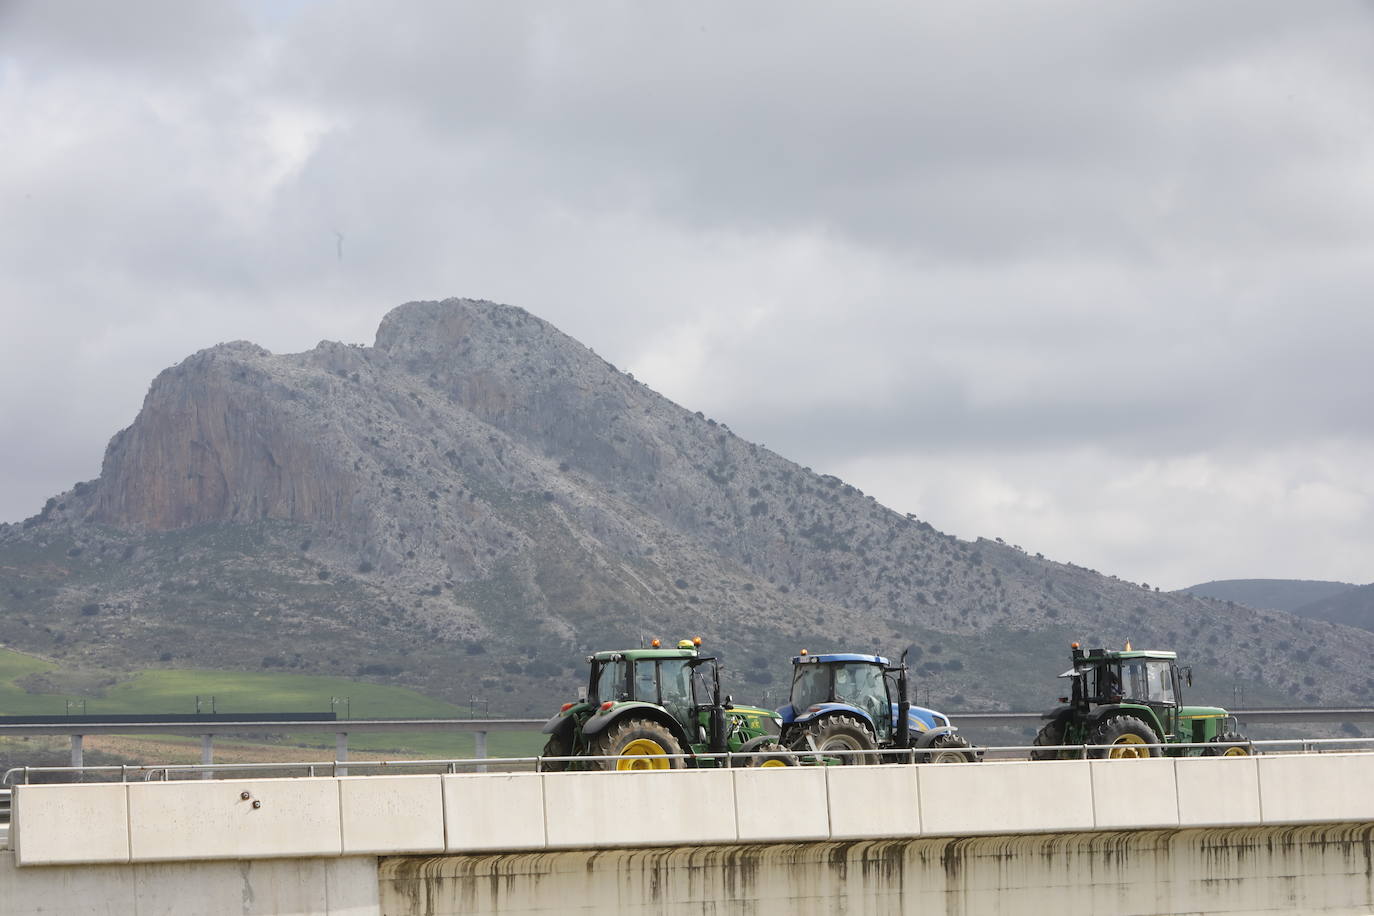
(476, 500)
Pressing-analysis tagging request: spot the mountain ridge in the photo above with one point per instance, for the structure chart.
(476, 500)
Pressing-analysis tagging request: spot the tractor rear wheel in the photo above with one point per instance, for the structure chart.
(557, 746)
(839, 733)
(637, 744)
(1051, 734)
(948, 749)
(1128, 737)
(1229, 744)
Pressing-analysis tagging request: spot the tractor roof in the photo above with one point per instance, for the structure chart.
(637, 654)
(1094, 654)
(839, 657)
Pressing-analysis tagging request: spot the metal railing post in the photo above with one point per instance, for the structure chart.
(78, 759)
(341, 752)
(207, 755)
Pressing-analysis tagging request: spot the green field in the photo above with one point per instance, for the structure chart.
(176, 691)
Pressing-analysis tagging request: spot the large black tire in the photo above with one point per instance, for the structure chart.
(770, 754)
(1127, 735)
(557, 746)
(1228, 744)
(838, 733)
(948, 749)
(635, 742)
(1051, 734)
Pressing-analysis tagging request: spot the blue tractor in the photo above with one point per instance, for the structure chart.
(859, 703)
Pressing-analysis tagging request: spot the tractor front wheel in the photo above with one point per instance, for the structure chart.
(839, 733)
(768, 754)
(1128, 736)
(1229, 744)
(948, 749)
(637, 744)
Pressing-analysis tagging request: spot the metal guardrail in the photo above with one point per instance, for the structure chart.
(233, 726)
(164, 772)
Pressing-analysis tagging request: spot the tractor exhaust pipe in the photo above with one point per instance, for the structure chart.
(903, 704)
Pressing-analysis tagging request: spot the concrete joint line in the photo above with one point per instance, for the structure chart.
(338, 794)
(734, 799)
(1092, 794)
(128, 822)
(543, 807)
(920, 815)
(829, 811)
(1178, 799)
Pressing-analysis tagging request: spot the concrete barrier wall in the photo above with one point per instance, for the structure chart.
(1250, 870)
(406, 815)
(265, 887)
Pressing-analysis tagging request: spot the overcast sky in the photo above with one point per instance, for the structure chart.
(1094, 278)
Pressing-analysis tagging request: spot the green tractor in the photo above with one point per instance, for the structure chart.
(1129, 700)
(642, 704)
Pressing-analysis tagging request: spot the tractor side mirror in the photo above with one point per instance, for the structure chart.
(729, 702)
(582, 694)
(1188, 675)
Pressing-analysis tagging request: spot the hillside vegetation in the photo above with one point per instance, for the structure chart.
(475, 502)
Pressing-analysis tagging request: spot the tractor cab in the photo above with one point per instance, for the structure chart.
(1146, 678)
(838, 681)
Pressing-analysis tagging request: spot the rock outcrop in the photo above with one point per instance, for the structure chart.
(476, 500)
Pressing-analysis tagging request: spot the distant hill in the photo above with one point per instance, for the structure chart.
(1354, 607)
(1271, 594)
(476, 501)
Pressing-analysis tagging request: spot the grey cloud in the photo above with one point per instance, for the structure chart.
(877, 230)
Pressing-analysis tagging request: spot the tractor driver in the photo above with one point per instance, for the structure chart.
(1111, 682)
(844, 684)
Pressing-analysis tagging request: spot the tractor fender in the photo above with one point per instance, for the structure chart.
(1058, 714)
(602, 720)
(558, 723)
(561, 719)
(925, 738)
(829, 709)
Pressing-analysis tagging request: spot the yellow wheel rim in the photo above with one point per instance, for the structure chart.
(1235, 752)
(772, 763)
(640, 753)
(1128, 746)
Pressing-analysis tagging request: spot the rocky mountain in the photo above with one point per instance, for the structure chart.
(1276, 594)
(476, 501)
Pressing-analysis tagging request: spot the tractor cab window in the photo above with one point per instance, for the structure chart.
(1149, 681)
(1105, 682)
(608, 682)
(703, 683)
(675, 685)
(862, 685)
(810, 686)
(646, 684)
